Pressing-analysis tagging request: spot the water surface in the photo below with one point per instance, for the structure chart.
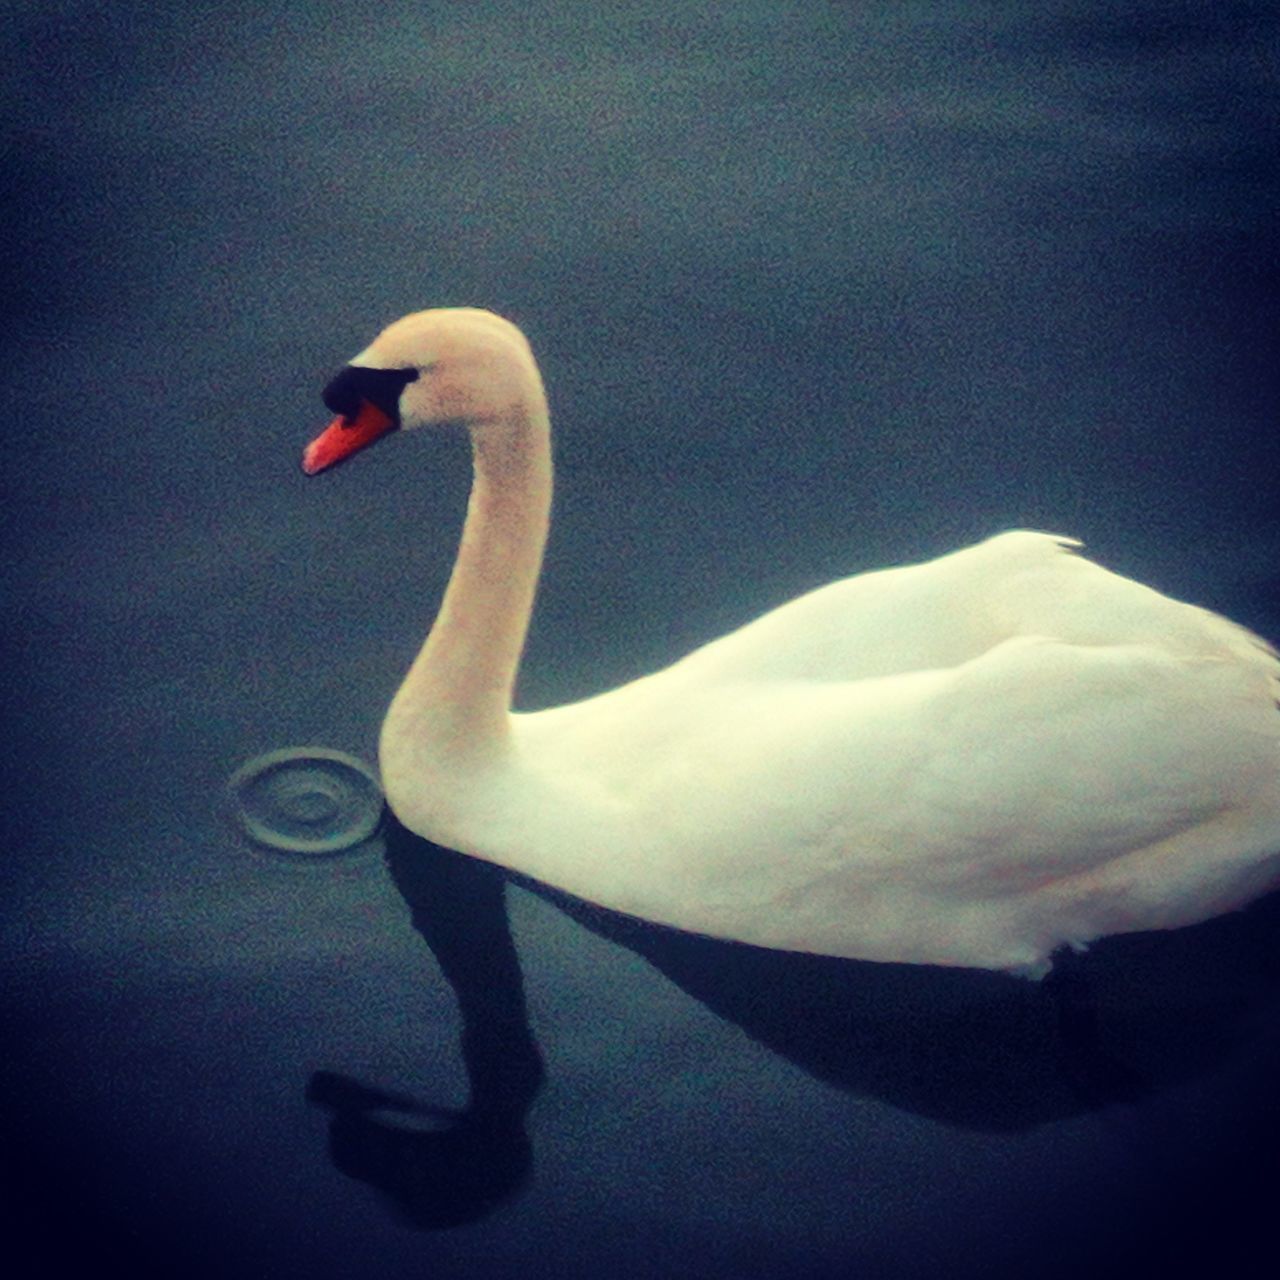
(816, 288)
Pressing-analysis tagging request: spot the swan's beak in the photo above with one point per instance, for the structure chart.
(345, 436)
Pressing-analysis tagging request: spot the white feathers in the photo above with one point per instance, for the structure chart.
(970, 761)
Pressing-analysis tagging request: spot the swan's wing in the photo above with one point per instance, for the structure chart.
(1035, 761)
(1048, 759)
(1078, 791)
(980, 814)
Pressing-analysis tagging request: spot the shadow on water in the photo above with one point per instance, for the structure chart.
(1134, 1016)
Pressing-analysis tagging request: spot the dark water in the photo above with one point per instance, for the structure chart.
(815, 288)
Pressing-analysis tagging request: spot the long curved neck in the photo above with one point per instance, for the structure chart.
(456, 700)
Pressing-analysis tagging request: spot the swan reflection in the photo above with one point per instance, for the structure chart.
(982, 1050)
(443, 1167)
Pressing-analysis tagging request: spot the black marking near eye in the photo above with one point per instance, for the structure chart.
(356, 383)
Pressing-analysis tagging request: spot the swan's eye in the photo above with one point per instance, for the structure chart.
(357, 383)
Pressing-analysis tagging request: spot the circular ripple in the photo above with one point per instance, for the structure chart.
(307, 800)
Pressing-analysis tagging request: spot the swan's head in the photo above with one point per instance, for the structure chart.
(451, 365)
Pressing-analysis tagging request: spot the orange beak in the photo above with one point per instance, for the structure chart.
(345, 436)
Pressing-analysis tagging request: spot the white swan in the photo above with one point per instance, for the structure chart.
(965, 762)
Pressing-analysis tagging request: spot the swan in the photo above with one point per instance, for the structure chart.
(971, 761)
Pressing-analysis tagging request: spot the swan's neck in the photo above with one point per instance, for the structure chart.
(455, 703)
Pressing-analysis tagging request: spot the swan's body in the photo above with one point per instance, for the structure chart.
(970, 761)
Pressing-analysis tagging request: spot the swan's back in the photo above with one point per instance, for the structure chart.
(951, 610)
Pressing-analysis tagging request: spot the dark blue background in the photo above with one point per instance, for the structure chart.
(816, 288)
